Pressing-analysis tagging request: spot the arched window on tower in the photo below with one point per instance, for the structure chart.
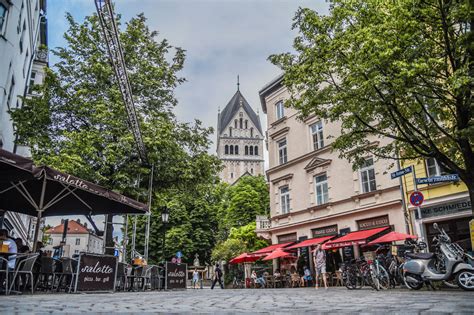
(256, 150)
(231, 149)
(241, 123)
(226, 149)
(251, 150)
(235, 123)
(246, 150)
(251, 132)
(236, 149)
(246, 124)
(230, 131)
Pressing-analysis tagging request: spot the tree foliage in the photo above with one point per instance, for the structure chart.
(78, 124)
(401, 70)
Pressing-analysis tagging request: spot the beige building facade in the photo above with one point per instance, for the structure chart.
(239, 140)
(313, 192)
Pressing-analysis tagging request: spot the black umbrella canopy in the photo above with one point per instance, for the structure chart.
(28, 189)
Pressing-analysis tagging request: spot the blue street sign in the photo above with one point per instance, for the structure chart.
(401, 172)
(438, 179)
(179, 254)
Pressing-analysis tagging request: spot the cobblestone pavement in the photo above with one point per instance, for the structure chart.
(265, 301)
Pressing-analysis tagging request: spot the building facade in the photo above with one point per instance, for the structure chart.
(239, 140)
(79, 239)
(313, 192)
(23, 57)
(446, 203)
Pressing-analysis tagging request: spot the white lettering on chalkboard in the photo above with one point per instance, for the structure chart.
(97, 269)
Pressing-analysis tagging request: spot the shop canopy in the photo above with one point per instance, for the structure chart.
(279, 253)
(354, 238)
(311, 242)
(43, 191)
(245, 257)
(392, 237)
(267, 250)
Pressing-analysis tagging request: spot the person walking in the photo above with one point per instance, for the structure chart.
(319, 257)
(195, 278)
(217, 277)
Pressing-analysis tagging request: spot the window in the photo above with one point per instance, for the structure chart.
(231, 149)
(10, 92)
(78, 241)
(251, 132)
(285, 199)
(251, 170)
(50, 241)
(226, 149)
(230, 131)
(25, 62)
(236, 149)
(246, 150)
(3, 16)
(280, 111)
(282, 151)
(317, 135)
(241, 123)
(32, 82)
(246, 123)
(367, 175)
(76, 252)
(235, 123)
(18, 28)
(321, 187)
(433, 168)
(231, 175)
(22, 37)
(255, 151)
(251, 150)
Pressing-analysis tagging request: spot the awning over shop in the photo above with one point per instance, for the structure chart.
(311, 242)
(392, 237)
(279, 253)
(266, 250)
(354, 238)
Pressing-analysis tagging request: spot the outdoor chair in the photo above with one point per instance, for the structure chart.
(4, 278)
(140, 277)
(155, 278)
(121, 278)
(45, 273)
(337, 279)
(25, 267)
(66, 273)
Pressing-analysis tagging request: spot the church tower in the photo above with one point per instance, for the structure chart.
(239, 140)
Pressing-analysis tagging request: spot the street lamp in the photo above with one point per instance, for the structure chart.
(165, 215)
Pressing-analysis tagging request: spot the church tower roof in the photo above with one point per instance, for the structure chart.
(233, 107)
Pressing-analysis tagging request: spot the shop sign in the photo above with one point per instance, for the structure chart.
(445, 209)
(96, 273)
(176, 276)
(286, 238)
(437, 179)
(325, 231)
(372, 223)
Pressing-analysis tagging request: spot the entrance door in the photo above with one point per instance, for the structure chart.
(457, 229)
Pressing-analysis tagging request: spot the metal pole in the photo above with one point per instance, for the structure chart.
(164, 237)
(40, 212)
(419, 225)
(125, 240)
(134, 235)
(147, 231)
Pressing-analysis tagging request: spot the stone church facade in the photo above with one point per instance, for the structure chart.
(239, 140)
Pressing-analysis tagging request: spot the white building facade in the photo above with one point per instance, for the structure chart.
(23, 57)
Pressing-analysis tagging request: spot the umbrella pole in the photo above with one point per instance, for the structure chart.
(40, 212)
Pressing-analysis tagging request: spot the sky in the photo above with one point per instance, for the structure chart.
(222, 39)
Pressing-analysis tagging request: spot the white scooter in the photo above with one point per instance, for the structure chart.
(425, 267)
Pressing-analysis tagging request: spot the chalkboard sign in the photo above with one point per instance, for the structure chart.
(96, 273)
(176, 276)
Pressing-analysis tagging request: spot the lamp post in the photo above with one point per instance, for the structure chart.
(165, 215)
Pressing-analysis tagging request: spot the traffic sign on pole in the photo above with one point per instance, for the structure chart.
(416, 198)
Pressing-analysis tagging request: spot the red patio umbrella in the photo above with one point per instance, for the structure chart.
(244, 258)
(278, 253)
(392, 237)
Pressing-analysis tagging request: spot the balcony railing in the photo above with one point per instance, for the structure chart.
(263, 223)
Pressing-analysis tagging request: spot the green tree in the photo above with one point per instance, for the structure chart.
(401, 70)
(78, 124)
